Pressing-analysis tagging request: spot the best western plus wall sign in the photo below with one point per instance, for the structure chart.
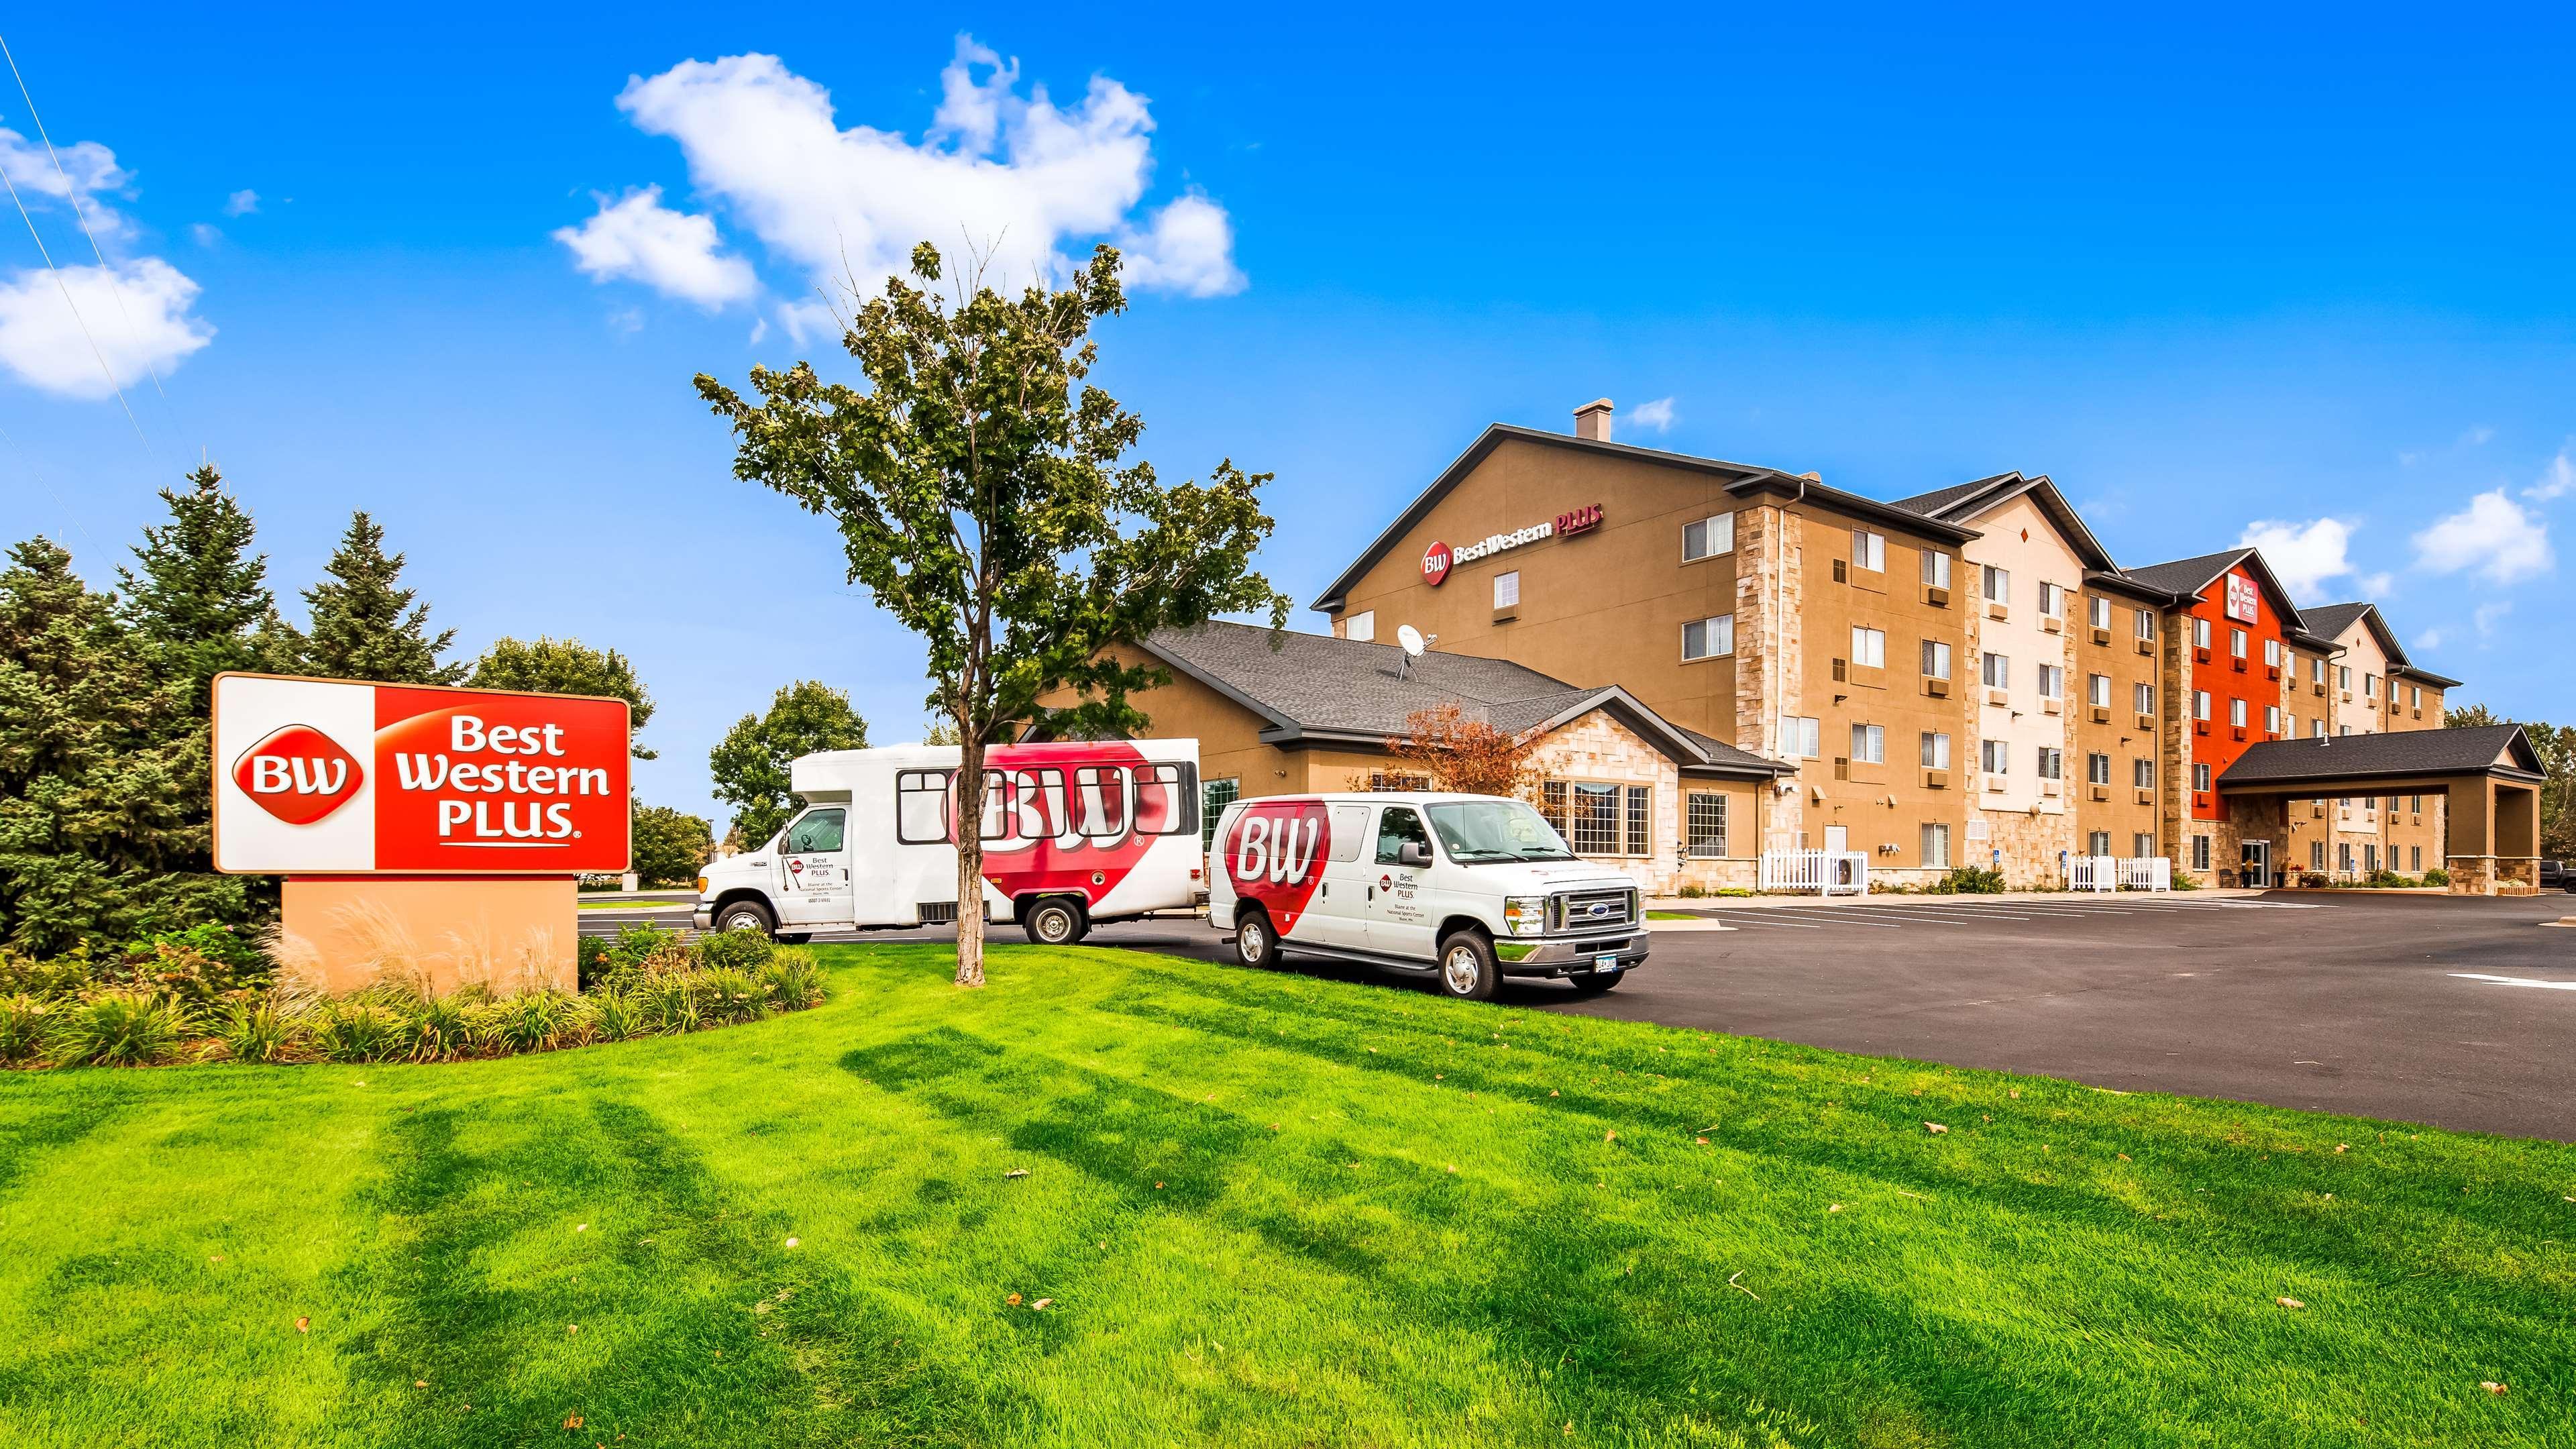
(1439, 559)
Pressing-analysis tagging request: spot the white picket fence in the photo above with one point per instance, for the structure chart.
(2118, 873)
(1827, 872)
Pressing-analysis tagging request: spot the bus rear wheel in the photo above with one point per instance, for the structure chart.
(1056, 921)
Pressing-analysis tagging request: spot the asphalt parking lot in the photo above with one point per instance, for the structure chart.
(2458, 1013)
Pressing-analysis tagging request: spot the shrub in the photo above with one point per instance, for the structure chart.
(614, 1016)
(1690, 892)
(530, 1021)
(2437, 876)
(733, 950)
(668, 1005)
(591, 962)
(259, 1031)
(118, 1029)
(2185, 881)
(25, 1021)
(224, 945)
(724, 995)
(359, 1030)
(791, 981)
(2386, 879)
(438, 1028)
(1970, 880)
(2316, 880)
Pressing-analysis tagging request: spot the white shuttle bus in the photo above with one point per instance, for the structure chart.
(1075, 832)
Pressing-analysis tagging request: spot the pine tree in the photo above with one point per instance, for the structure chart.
(364, 624)
(201, 600)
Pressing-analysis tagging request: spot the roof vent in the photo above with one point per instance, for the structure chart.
(1592, 420)
(1813, 477)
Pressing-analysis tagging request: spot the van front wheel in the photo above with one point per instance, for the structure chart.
(746, 916)
(1467, 967)
(1056, 922)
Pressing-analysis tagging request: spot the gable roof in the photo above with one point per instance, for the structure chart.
(1969, 502)
(2503, 751)
(1316, 689)
(2186, 577)
(2329, 621)
(1740, 478)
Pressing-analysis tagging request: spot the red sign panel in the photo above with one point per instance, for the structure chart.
(1275, 855)
(1435, 564)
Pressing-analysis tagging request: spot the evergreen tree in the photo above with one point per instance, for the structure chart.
(364, 623)
(201, 600)
(566, 666)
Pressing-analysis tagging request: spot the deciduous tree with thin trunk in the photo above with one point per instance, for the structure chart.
(983, 495)
(1456, 751)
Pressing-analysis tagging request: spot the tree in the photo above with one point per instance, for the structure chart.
(201, 599)
(565, 666)
(978, 485)
(1454, 751)
(365, 625)
(2556, 746)
(670, 844)
(939, 732)
(750, 763)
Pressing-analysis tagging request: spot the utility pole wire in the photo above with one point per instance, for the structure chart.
(66, 290)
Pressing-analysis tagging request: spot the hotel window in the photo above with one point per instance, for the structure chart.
(1507, 589)
(1641, 815)
(2052, 682)
(2316, 729)
(1996, 756)
(2236, 713)
(1869, 649)
(1936, 659)
(1214, 796)
(2392, 691)
(2052, 763)
(2317, 670)
(1707, 825)
(2200, 633)
(1869, 550)
(2272, 652)
(2146, 623)
(1936, 846)
(2200, 852)
(1998, 673)
(2369, 683)
(2097, 690)
(2272, 719)
(2144, 697)
(1998, 585)
(2343, 676)
(2343, 856)
(2236, 642)
(1869, 744)
(1708, 638)
(2142, 774)
(2142, 845)
(2415, 859)
(1798, 737)
(1936, 569)
(2200, 704)
(2419, 804)
(2370, 858)
(1361, 627)
(2098, 843)
(2200, 777)
(2316, 855)
(2098, 610)
(1595, 811)
(2052, 601)
(2416, 701)
(1936, 751)
(1708, 538)
(2097, 771)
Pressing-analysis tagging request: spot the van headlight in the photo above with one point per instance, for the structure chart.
(1525, 915)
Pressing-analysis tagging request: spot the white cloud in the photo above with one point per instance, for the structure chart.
(89, 171)
(205, 235)
(2489, 615)
(2305, 556)
(759, 330)
(2493, 535)
(2429, 639)
(2558, 479)
(626, 321)
(2476, 437)
(673, 252)
(241, 203)
(1001, 170)
(1654, 417)
(41, 341)
(2377, 586)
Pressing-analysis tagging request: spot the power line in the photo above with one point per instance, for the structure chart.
(29, 463)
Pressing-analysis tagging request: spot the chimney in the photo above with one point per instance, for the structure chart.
(1592, 420)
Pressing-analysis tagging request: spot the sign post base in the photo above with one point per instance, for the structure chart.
(510, 933)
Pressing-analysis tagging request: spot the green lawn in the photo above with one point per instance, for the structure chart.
(1267, 1210)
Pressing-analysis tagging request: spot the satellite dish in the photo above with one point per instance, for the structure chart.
(1410, 638)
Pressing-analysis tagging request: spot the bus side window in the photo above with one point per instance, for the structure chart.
(1166, 800)
(998, 822)
(1101, 798)
(1037, 802)
(921, 807)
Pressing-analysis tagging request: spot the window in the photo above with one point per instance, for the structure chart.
(2200, 777)
(2052, 763)
(921, 807)
(1998, 585)
(2200, 633)
(1708, 538)
(2098, 843)
(2142, 845)
(1596, 818)
(2052, 682)
(2142, 773)
(1936, 659)
(818, 833)
(1996, 756)
(2097, 609)
(1507, 589)
(2369, 683)
(1868, 744)
(2343, 856)
(2317, 670)
(2370, 858)
(2146, 623)
(2200, 704)
(2236, 713)
(2316, 729)
(2236, 642)
(1998, 672)
(2272, 652)
(2392, 691)
(2052, 601)
(1936, 751)
(1798, 737)
(1869, 550)
(1869, 649)
(1708, 638)
(2343, 729)
(1553, 805)
(1936, 569)
(1707, 825)
(1641, 815)
(2415, 859)
(1361, 627)
(2097, 771)
(1397, 827)
(2416, 691)
(1936, 846)
(2316, 855)
(2200, 852)
(1396, 782)
(2097, 690)
(2144, 697)
(2272, 719)
(2418, 803)
(1350, 831)
(1214, 796)
(2343, 676)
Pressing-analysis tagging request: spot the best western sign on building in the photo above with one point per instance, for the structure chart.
(330, 777)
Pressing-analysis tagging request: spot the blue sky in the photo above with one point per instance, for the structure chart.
(2210, 273)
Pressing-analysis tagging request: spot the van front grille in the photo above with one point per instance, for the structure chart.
(1582, 912)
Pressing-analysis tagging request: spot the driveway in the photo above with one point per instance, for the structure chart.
(2457, 1013)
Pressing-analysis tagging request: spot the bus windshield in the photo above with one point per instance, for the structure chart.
(1479, 831)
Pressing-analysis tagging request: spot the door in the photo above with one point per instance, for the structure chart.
(1397, 902)
(2255, 862)
(1837, 839)
(1338, 916)
(814, 868)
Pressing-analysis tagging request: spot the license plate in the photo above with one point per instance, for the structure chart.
(1605, 965)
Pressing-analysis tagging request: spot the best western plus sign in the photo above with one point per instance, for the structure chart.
(1440, 558)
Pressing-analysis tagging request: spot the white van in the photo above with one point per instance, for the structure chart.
(1465, 888)
(1075, 833)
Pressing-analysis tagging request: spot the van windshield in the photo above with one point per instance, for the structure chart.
(1478, 831)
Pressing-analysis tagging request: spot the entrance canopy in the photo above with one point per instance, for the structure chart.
(2490, 774)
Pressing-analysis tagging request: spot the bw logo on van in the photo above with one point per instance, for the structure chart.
(299, 774)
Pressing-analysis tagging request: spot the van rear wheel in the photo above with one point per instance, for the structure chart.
(1255, 944)
(1467, 967)
(1056, 921)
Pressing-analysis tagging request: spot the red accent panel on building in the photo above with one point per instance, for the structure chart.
(2221, 676)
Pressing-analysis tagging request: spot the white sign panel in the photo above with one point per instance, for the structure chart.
(2242, 598)
(249, 836)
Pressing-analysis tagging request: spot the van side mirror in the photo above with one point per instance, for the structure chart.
(1413, 852)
